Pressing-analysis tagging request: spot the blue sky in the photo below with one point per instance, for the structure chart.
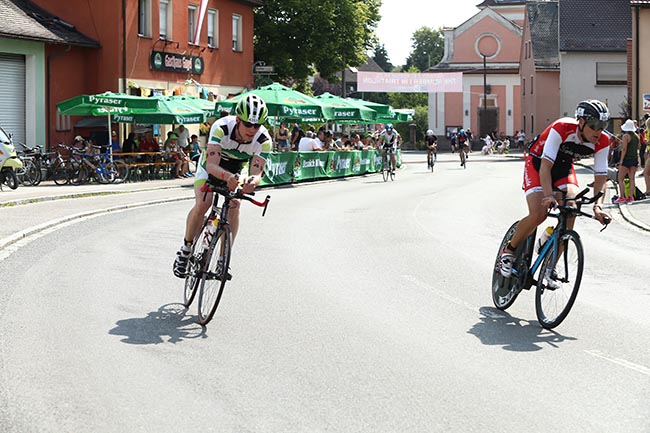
(401, 18)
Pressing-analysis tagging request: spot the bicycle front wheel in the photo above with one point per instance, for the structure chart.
(215, 274)
(559, 280)
(195, 268)
(117, 171)
(385, 170)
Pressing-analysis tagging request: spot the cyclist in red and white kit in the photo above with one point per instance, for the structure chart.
(549, 165)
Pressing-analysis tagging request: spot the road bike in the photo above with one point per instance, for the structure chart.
(387, 170)
(464, 148)
(431, 160)
(101, 166)
(208, 267)
(557, 271)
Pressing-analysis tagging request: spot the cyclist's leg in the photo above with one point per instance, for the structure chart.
(393, 151)
(202, 202)
(233, 218)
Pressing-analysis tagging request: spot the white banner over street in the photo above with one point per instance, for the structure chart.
(409, 82)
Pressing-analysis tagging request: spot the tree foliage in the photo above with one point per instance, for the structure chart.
(300, 37)
(428, 47)
(380, 57)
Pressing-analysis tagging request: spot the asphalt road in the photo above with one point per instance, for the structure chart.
(356, 306)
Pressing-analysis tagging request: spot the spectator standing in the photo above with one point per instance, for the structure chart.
(296, 135)
(629, 161)
(521, 139)
(282, 138)
(183, 135)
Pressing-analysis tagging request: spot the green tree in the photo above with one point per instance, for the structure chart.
(300, 37)
(428, 47)
(380, 57)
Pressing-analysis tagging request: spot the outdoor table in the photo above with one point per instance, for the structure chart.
(148, 165)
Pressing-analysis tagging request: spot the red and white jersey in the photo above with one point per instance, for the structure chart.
(560, 143)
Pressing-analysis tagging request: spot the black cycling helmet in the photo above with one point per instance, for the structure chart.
(595, 113)
(252, 108)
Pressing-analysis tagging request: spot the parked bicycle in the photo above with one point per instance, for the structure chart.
(208, 268)
(100, 166)
(560, 263)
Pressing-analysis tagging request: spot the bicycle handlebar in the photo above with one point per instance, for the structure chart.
(238, 193)
(580, 200)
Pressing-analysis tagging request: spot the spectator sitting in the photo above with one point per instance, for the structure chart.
(115, 143)
(176, 156)
(195, 149)
(129, 144)
(328, 144)
(148, 144)
(308, 143)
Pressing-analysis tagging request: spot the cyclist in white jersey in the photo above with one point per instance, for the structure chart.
(233, 142)
(389, 141)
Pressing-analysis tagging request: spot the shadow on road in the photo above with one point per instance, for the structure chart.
(498, 328)
(168, 324)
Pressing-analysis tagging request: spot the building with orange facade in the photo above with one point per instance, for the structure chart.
(143, 47)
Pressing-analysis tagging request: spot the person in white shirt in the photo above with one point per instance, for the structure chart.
(183, 135)
(308, 143)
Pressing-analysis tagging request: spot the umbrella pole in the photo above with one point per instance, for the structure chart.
(110, 143)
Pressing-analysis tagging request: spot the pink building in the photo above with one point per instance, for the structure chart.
(486, 49)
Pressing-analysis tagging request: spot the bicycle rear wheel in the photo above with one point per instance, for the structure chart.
(504, 290)
(215, 274)
(559, 280)
(79, 175)
(432, 163)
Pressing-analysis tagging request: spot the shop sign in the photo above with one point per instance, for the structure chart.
(172, 62)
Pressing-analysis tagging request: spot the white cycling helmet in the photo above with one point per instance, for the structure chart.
(429, 132)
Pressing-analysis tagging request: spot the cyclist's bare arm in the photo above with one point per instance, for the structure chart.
(255, 173)
(212, 161)
(599, 186)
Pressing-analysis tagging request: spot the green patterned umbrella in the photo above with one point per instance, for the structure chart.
(347, 110)
(104, 104)
(170, 110)
(284, 103)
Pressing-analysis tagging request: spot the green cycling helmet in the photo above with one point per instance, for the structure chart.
(252, 108)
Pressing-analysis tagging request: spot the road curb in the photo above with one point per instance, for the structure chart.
(30, 231)
(24, 201)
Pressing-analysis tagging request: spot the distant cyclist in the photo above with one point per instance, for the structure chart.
(432, 145)
(463, 146)
(550, 165)
(233, 141)
(389, 140)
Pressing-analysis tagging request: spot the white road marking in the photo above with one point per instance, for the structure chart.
(453, 299)
(622, 362)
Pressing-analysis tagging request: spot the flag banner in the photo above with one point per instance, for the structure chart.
(199, 23)
(409, 82)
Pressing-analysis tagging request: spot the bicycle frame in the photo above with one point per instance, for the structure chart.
(553, 242)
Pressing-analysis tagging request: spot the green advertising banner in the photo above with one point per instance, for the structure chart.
(311, 165)
(279, 167)
(288, 167)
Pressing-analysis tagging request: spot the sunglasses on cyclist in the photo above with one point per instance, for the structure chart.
(596, 124)
(251, 125)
